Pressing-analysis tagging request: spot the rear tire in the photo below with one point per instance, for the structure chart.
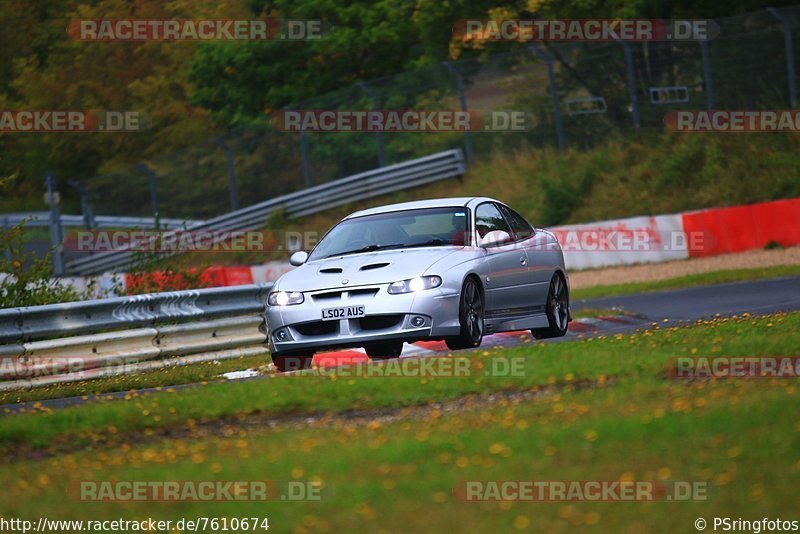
(292, 361)
(470, 317)
(384, 351)
(556, 309)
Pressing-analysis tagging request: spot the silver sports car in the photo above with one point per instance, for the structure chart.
(454, 269)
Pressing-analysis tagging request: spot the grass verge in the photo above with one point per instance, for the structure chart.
(640, 357)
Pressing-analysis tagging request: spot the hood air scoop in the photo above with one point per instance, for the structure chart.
(371, 266)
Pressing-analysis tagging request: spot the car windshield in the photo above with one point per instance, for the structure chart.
(395, 230)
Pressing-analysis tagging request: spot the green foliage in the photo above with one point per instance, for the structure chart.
(369, 39)
(562, 196)
(192, 91)
(27, 278)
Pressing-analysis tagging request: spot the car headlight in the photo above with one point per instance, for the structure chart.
(412, 285)
(284, 298)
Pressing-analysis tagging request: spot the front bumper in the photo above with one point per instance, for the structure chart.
(427, 314)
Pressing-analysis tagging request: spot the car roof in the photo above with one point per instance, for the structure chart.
(429, 203)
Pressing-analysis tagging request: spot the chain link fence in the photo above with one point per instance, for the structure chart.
(574, 95)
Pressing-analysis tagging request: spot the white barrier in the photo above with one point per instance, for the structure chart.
(623, 242)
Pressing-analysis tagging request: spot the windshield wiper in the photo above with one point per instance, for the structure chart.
(432, 243)
(368, 248)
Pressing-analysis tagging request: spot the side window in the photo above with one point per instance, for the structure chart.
(522, 229)
(489, 219)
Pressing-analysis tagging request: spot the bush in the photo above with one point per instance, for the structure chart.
(27, 279)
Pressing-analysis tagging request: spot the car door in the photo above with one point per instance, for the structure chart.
(507, 285)
(540, 260)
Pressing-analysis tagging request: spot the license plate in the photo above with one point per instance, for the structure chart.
(343, 312)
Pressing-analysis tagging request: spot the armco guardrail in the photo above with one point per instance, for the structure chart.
(42, 219)
(448, 164)
(76, 341)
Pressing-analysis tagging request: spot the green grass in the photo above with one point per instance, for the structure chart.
(740, 437)
(639, 356)
(715, 277)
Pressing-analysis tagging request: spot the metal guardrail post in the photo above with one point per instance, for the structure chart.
(378, 139)
(7, 250)
(231, 167)
(305, 156)
(790, 70)
(551, 77)
(56, 232)
(153, 179)
(634, 98)
(86, 207)
(707, 78)
(462, 98)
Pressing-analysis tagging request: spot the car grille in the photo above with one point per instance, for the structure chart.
(378, 322)
(337, 294)
(317, 328)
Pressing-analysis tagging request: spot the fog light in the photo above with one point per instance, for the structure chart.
(417, 321)
(281, 335)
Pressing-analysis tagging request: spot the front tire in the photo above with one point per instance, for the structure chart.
(556, 309)
(470, 316)
(292, 361)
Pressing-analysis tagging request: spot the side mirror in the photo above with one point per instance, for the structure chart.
(298, 258)
(495, 238)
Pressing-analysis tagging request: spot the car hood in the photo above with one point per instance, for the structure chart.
(378, 267)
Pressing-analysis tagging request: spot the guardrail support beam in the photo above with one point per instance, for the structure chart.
(378, 139)
(790, 70)
(153, 179)
(7, 250)
(551, 77)
(56, 232)
(707, 78)
(231, 168)
(86, 207)
(305, 156)
(632, 94)
(462, 98)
